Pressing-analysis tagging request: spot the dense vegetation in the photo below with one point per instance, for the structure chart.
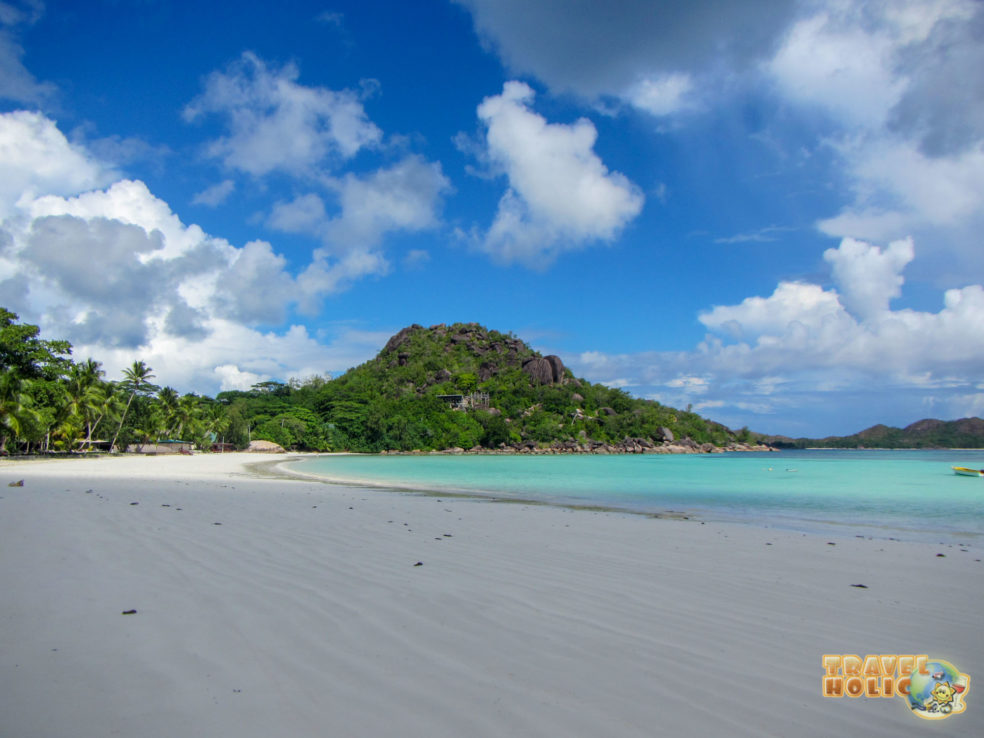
(396, 401)
(50, 403)
(965, 433)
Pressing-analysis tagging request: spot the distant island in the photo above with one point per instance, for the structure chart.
(923, 434)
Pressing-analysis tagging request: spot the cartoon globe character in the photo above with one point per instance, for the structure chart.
(938, 693)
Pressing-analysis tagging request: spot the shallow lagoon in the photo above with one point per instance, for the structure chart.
(912, 495)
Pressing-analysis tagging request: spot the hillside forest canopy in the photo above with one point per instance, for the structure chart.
(458, 386)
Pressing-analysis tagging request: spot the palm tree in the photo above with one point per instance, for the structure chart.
(15, 408)
(137, 380)
(87, 397)
(188, 412)
(168, 399)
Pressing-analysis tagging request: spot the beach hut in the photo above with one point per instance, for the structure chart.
(162, 446)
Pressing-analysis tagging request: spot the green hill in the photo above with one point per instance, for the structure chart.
(928, 433)
(464, 386)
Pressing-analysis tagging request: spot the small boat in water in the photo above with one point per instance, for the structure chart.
(967, 472)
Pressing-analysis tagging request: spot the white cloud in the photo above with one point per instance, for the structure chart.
(898, 189)
(235, 356)
(416, 259)
(403, 197)
(38, 159)
(889, 92)
(231, 377)
(869, 277)
(767, 234)
(834, 63)
(117, 273)
(560, 194)
(872, 64)
(304, 214)
(595, 52)
(900, 84)
(17, 84)
(328, 274)
(695, 385)
(215, 195)
(255, 287)
(98, 263)
(128, 201)
(792, 304)
(276, 124)
(805, 344)
(661, 95)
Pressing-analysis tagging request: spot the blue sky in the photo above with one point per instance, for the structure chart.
(770, 211)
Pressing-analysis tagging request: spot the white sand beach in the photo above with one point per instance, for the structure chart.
(282, 607)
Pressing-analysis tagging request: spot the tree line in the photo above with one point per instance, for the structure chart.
(50, 403)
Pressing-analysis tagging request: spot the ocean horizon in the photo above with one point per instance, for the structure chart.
(904, 494)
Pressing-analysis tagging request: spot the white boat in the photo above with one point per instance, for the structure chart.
(967, 472)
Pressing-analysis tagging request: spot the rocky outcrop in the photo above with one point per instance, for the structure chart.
(557, 367)
(582, 445)
(538, 370)
(545, 370)
(401, 338)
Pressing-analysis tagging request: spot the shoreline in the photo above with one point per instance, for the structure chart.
(813, 526)
(297, 608)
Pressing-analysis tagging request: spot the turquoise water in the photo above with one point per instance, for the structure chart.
(904, 494)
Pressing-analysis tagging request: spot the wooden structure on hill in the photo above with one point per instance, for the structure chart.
(474, 401)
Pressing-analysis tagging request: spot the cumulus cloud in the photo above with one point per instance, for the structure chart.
(404, 197)
(38, 159)
(831, 62)
(98, 263)
(641, 47)
(327, 274)
(806, 344)
(304, 214)
(115, 270)
(254, 287)
(215, 195)
(869, 277)
(898, 189)
(561, 195)
(660, 95)
(900, 84)
(946, 46)
(276, 124)
(889, 92)
(806, 326)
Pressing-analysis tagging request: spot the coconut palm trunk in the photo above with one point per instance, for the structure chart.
(137, 379)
